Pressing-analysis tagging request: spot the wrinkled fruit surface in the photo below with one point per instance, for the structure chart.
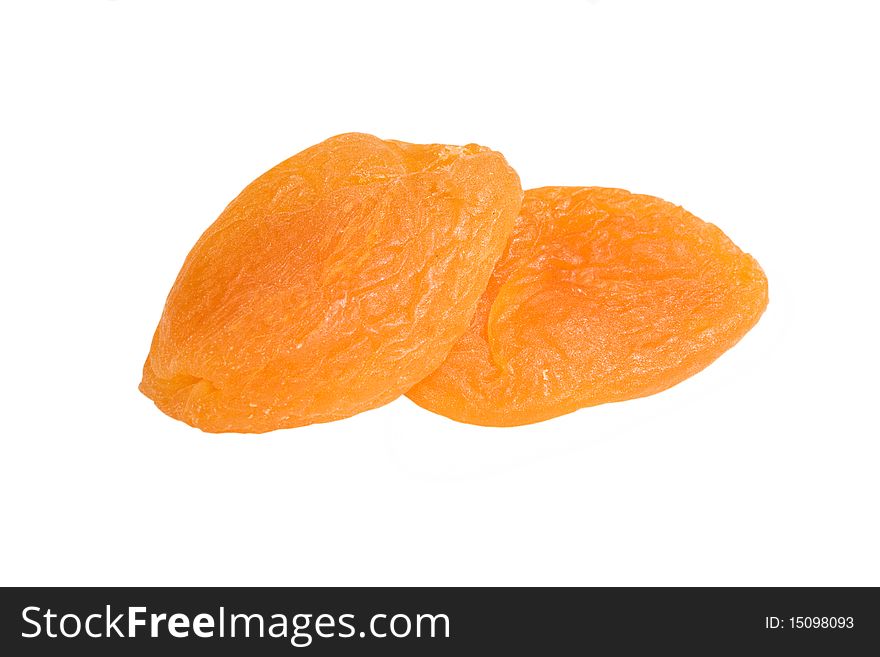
(331, 284)
(601, 296)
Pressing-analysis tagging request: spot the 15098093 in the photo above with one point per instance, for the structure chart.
(821, 622)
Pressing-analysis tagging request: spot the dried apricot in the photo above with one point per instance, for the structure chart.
(602, 295)
(333, 283)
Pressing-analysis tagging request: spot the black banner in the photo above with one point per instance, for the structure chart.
(277, 621)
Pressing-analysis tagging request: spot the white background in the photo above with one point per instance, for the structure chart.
(126, 128)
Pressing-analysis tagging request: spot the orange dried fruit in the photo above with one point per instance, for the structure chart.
(601, 296)
(333, 283)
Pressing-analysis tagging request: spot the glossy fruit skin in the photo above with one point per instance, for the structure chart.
(601, 296)
(333, 283)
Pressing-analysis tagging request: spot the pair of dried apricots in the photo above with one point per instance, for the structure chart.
(361, 269)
